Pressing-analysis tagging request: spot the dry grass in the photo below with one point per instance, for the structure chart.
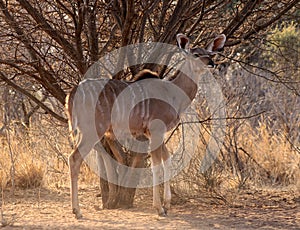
(264, 160)
(274, 161)
(267, 159)
(38, 158)
(22, 167)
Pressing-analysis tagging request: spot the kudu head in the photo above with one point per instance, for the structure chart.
(205, 55)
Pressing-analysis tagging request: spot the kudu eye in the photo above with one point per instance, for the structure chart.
(211, 64)
(206, 59)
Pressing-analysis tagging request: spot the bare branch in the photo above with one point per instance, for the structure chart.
(259, 27)
(31, 97)
(241, 17)
(54, 34)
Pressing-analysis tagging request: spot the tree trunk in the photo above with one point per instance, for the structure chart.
(116, 196)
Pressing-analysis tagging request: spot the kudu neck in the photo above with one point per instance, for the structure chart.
(186, 84)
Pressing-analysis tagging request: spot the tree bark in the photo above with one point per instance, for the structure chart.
(113, 195)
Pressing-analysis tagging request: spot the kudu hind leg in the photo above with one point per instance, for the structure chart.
(75, 161)
(157, 171)
(167, 176)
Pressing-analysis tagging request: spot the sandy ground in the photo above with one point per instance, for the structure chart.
(48, 209)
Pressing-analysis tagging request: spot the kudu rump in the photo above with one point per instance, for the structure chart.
(91, 105)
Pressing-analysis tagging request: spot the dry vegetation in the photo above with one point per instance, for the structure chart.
(46, 48)
(258, 167)
(264, 160)
(36, 161)
(38, 158)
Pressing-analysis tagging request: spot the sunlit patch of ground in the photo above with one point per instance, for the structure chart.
(49, 209)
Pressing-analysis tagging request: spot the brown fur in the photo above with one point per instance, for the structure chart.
(145, 74)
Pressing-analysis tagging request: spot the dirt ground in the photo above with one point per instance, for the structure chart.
(50, 209)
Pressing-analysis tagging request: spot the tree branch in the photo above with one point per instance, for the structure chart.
(31, 97)
(46, 79)
(45, 26)
(93, 35)
(238, 20)
(257, 28)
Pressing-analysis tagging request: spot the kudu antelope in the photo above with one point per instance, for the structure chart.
(92, 112)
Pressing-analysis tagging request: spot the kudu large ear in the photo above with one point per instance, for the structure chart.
(183, 42)
(217, 44)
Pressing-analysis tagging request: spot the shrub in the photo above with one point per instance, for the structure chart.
(284, 49)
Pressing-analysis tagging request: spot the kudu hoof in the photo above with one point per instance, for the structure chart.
(163, 213)
(77, 213)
